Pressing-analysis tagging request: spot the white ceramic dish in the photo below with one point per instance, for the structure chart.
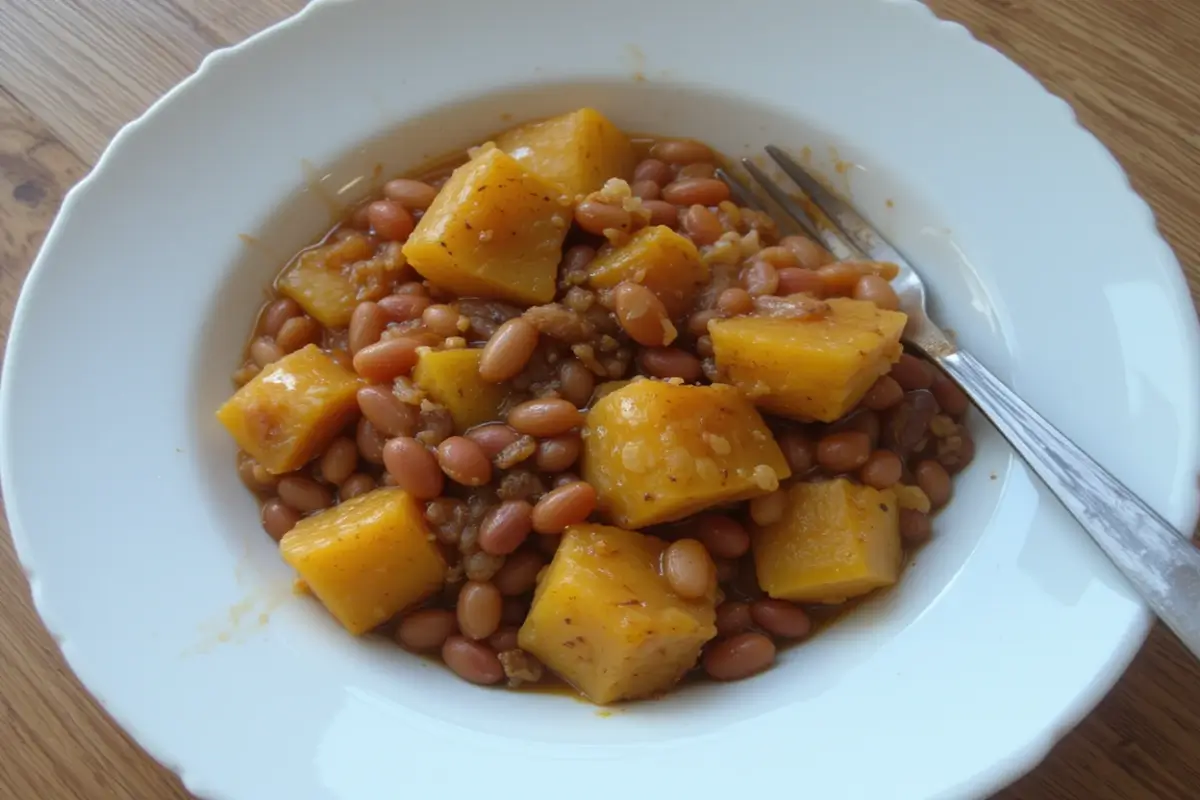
(144, 551)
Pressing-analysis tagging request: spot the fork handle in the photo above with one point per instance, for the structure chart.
(1158, 560)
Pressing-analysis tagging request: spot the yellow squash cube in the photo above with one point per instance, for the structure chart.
(495, 230)
(809, 369)
(667, 263)
(451, 378)
(292, 409)
(577, 151)
(657, 452)
(330, 280)
(605, 620)
(366, 559)
(836, 540)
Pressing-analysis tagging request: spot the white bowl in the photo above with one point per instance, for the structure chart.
(144, 551)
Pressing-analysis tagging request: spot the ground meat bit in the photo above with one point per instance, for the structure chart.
(480, 566)
(796, 306)
(515, 453)
(455, 573)
(711, 370)
(447, 517)
(406, 390)
(520, 667)
(579, 299)
(435, 425)
(562, 323)
(468, 541)
(486, 316)
(521, 484)
(602, 319)
(375, 277)
(587, 356)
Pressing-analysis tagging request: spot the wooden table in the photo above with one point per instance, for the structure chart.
(73, 71)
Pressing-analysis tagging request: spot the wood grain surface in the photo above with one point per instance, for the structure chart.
(73, 71)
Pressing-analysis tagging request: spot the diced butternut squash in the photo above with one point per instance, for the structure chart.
(495, 230)
(667, 263)
(451, 378)
(577, 151)
(657, 451)
(809, 369)
(605, 620)
(330, 280)
(292, 409)
(836, 540)
(366, 559)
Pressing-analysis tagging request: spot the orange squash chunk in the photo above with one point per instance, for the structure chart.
(657, 257)
(330, 280)
(451, 378)
(577, 151)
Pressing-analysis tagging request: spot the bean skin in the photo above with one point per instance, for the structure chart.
(564, 506)
(472, 661)
(413, 468)
(739, 657)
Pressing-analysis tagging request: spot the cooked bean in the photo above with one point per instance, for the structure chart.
(508, 351)
(304, 494)
(339, 461)
(653, 170)
(839, 278)
(739, 657)
(356, 484)
(733, 617)
(506, 527)
(734, 302)
(799, 450)
(387, 360)
(915, 527)
(277, 313)
(472, 661)
(413, 195)
(883, 394)
(264, 351)
(278, 518)
(780, 618)
(367, 324)
(390, 221)
(464, 461)
(722, 535)
(576, 382)
(558, 453)
(934, 481)
(413, 467)
(700, 169)
(404, 307)
(478, 609)
(254, 475)
(688, 568)
(912, 373)
(697, 323)
(950, 398)
(798, 280)
(545, 418)
(769, 508)
(390, 415)
(760, 278)
(877, 290)
(646, 190)
(662, 212)
(370, 442)
(507, 638)
(956, 452)
(520, 571)
(681, 151)
(564, 506)
(597, 217)
(843, 452)
(670, 362)
(642, 315)
(696, 191)
(702, 225)
(907, 424)
(298, 332)
(778, 257)
(441, 320)
(810, 254)
(426, 629)
(882, 470)
(492, 437)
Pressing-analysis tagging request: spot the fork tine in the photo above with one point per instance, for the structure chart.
(848, 221)
(740, 192)
(790, 206)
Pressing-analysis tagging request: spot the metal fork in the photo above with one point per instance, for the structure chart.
(1157, 559)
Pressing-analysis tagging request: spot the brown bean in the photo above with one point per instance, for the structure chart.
(567, 505)
(390, 221)
(304, 494)
(739, 657)
(558, 453)
(883, 394)
(662, 212)
(366, 325)
(798, 280)
(464, 461)
(492, 437)
(339, 460)
(907, 424)
(877, 290)
(545, 418)
(700, 169)
(597, 217)
(863, 421)
(390, 415)
(426, 629)
(519, 573)
(576, 382)
(734, 302)
(912, 373)
(810, 254)
(670, 362)
(723, 535)
(387, 360)
(839, 278)
(278, 312)
(356, 484)
(441, 320)
(934, 481)
(950, 398)
(642, 315)
(915, 527)
(681, 151)
(689, 569)
(646, 190)
(506, 527)
(882, 470)
(479, 609)
(760, 278)
(696, 192)
(769, 508)
(413, 195)
(264, 351)
(298, 332)
(278, 518)
(472, 661)
(956, 452)
(508, 351)
(413, 467)
(702, 225)
(843, 452)
(370, 442)
(781, 618)
(799, 450)
(778, 257)
(255, 475)
(733, 617)
(652, 169)
(507, 638)
(404, 307)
